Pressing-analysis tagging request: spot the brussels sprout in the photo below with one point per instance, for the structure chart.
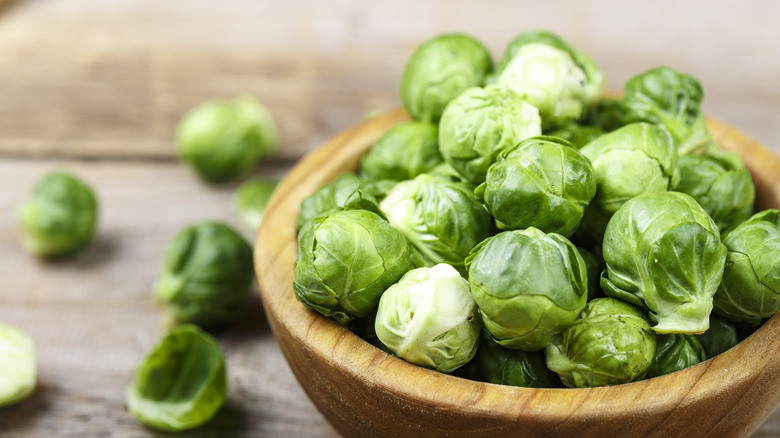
(607, 115)
(17, 365)
(543, 182)
(674, 352)
(529, 286)
(223, 140)
(181, 383)
(442, 220)
(59, 216)
(721, 336)
(721, 184)
(440, 69)
(250, 200)
(664, 252)
(496, 364)
(750, 290)
(429, 318)
(594, 83)
(403, 152)
(671, 100)
(576, 134)
(634, 159)
(334, 196)
(479, 124)
(346, 260)
(206, 275)
(549, 79)
(610, 343)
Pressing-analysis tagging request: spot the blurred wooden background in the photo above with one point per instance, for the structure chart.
(98, 86)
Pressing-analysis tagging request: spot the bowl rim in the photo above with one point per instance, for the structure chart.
(276, 245)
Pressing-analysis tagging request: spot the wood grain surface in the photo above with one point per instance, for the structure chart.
(97, 86)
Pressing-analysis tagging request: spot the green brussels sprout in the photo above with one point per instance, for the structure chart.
(223, 140)
(206, 275)
(59, 216)
(663, 252)
(674, 352)
(594, 77)
(429, 318)
(671, 100)
(480, 123)
(17, 365)
(334, 196)
(607, 115)
(439, 70)
(529, 286)
(504, 366)
(721, 184)
(549, 79)
(181, 382)
(610, 343)
(346, 260)
(632, 160)
(442, 219)
(721, 336)
(575, 133)
(403, 152)
(750, 290)
(250, 199)
(543, 182)
(593, 266)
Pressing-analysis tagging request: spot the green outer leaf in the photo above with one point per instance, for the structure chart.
(346, 260)
(18, 368)
(721, 336)
(480, 123)
(206, 275)
(59, 216)
(181, 383)
(406, 150)
(439, 70)
(675, 352)
(529, 286)
(610, 343)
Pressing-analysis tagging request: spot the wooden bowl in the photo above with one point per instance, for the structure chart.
(365, 392)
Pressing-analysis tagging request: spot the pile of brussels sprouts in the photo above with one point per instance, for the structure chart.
(524, 229)
(206, 276)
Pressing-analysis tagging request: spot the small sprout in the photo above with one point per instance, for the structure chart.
(674, 352)
(250, 199)
(206, 275)
(59, 216)
(181, 383)
(429, 318)
(334, 195)
(403, 152)
(17, 365)
(223, 140)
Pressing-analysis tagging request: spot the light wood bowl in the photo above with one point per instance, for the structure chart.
(364, 392)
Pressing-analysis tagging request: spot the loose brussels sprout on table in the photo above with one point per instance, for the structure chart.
(181, 383)
(479, 124)
(429, 318)
(345, 262)
(59, 217)
(443, 220)
(439, 70)
(250, 200)
(611, 342)
(529, 286)
(17, 365)
(223, 140)
(663, 252)
(206, 275)
(403, 152)
(543, 183)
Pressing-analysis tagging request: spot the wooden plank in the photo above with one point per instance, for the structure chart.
(86, 78)
(92, 317)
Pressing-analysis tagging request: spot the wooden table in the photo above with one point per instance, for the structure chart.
(97, 87)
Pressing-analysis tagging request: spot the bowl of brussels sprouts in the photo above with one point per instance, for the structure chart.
(515, 254)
